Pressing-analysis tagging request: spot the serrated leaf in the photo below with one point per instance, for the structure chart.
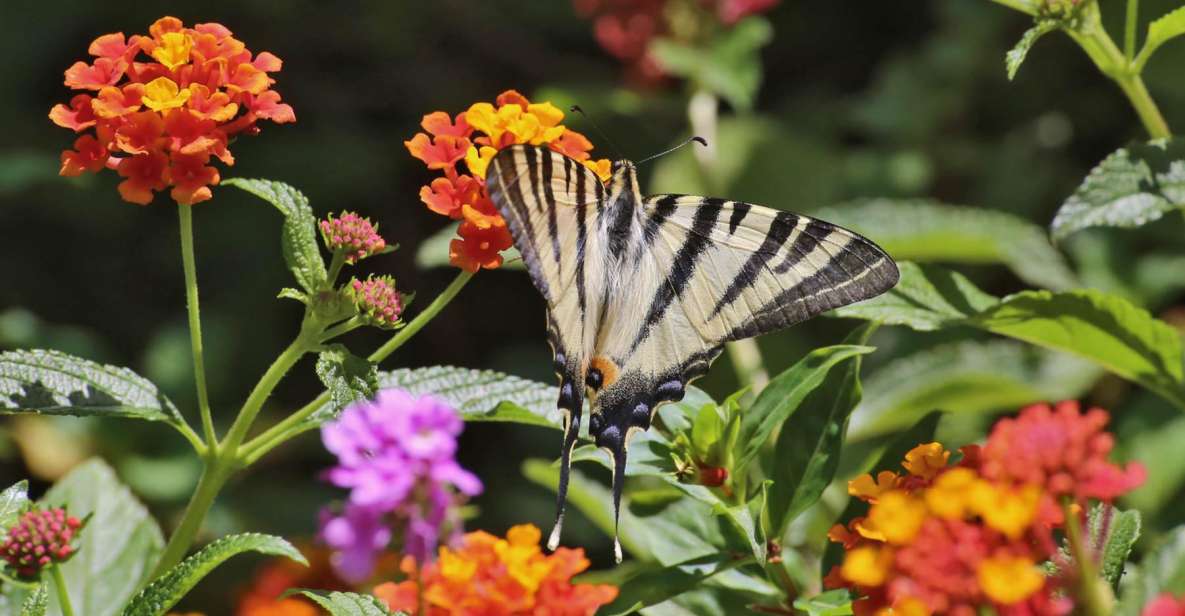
(54, 383)
(729, 66)
(970, 376)
(479, 395)
(807, 456)
(302, 253)
(1133, 186)
(1161, 571)
(349, 603)
(13, 502)
(831, 603)
(784, 395)
(1106, 329)
(119, 547)
(165, 591)
(347, 376)
(926, 298)
(1113, 533)
(37, 603)
(1016, 56)
(926, 231)
(1160, 32)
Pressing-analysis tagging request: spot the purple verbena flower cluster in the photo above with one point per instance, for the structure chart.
(396, 456)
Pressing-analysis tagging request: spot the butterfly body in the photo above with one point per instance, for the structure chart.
(642, 293)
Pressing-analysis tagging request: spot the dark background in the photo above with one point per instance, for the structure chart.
(895, 99)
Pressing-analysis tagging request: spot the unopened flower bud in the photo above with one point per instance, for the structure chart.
(39, 539)
(352, 235)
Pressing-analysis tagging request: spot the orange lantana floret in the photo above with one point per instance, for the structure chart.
(486, 574)
(475, 136)
(164, 104)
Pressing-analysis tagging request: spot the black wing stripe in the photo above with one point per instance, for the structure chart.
(816, 231)
(622, 214)
(740, 209)
(779, 231)
(685, 262)
(553, 230)
(520, 223)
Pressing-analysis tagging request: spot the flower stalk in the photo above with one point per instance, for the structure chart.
(59, 583)
(1094, 596)
(185, 217)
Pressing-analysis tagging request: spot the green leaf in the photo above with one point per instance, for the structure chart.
(1160, 32)
(831, 603)
(346, 376)
(302, 253)
(707, 430)
(479, 395)
(923, 230)
(348, 603)
(434, 251)
(654, 585)
(13, 502)
(806, 457)
(927, 298)
(1105, 329)
(970, 376)
(730, 66)
(1016, 56)
(165, 591)
(784, 395)
(1131, 187)
(54, 383)
(118, 548)
(1116, 532)
(1161, 571)
(37, 603)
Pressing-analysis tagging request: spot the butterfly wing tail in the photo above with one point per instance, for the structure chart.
(618, 451)
(572, 403)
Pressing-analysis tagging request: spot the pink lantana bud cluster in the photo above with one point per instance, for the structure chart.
(352, 235)
(38, 540)
(377, 299)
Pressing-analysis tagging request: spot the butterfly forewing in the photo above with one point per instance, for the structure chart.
(642, 293)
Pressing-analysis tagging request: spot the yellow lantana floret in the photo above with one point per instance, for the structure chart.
(867, 565)
(950, 496)
(162, 93)
(897, 516)
(926, 460)
(173, 49)
(1009, 579)
(1005, 509)
(866, 488)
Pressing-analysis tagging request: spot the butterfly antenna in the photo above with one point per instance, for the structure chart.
(695, 138)
(577, 109)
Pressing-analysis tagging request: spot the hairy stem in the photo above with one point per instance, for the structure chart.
(214, 476)
(291, 426)
(59, 583)
(1094, 596)
(185, 216)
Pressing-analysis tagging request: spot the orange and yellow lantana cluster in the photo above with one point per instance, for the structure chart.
(952, 538)
(475, 136)
(161, 105)
(491, 575)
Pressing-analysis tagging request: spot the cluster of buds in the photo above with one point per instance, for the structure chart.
(377, 300)
(39, 539)
(353, 236)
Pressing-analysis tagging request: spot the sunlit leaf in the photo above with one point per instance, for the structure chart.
(654, 585)
(1016, 56)
(1160, 32)
(831, 603)
(13, 502)
(926, 298)
(1116, 531)
(347, 376)
(349, 603)
(302, 252)
(1133, 186)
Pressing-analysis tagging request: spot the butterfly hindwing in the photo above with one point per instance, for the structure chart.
(643, 293)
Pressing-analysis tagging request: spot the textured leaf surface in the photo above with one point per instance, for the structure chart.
(1160, 32)
(13, 502)
(54, 383)
(1161, 571)
(37, 604)
(120, 546)
(926, 298)
(1016, 56)
(349, 603)
(164, 592)
(1133, 186)
(806, 455)
(971, 376)
(346, 376)
(831, 603)
(480, 395)
(299, 235)
(923, 231)
(1116, 532)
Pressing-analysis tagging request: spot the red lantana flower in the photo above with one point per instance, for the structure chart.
(162, 105)
(475, 136)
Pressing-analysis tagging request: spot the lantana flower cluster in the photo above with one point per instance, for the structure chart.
(396, 456)
(486, 574)
(39, 539)
(162, 105)
(473, 137)
(953, 537)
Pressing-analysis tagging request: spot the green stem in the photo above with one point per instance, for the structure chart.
(59, 583)
(1129, 34)
(214, 476)
(1094, 596)
(185, 215)
(335, 266)
(280, 367)
(342, 328)
(291, 426)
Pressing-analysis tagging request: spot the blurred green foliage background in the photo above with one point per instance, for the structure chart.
(858, 100)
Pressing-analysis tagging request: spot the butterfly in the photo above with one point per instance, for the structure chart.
(643, 292)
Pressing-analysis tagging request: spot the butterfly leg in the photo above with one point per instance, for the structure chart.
(572, 403)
